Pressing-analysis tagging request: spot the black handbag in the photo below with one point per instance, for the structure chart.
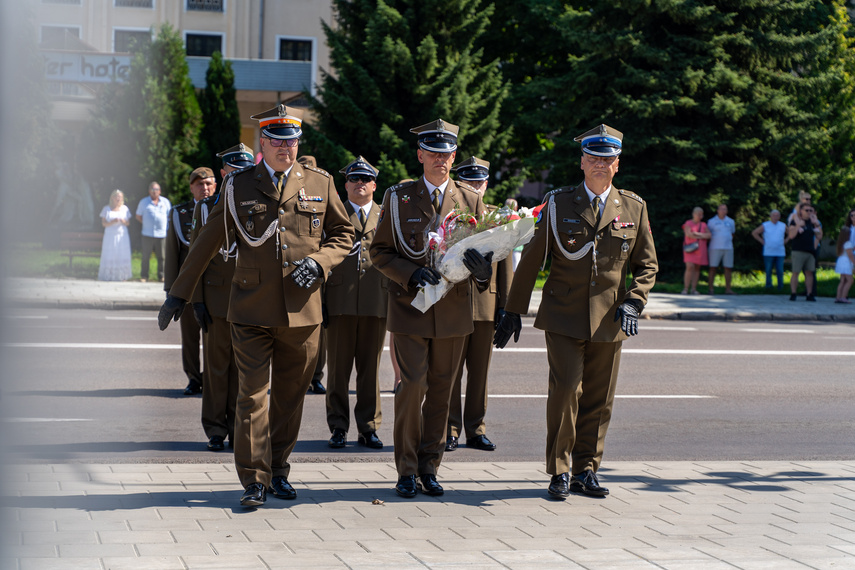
(691, 247)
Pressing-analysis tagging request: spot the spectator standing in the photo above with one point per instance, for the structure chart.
(845, 258)
(153, 213)
(804, 232)
(116, 246)
(696, 237)
(804, 198)
(721, 227)
(773, 235)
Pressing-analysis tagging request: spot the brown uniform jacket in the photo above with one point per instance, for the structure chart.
(308, 220)
(452, 315)
(485, 303)
(178, 226)
(577, 302)
(215, 286)
(356, 287)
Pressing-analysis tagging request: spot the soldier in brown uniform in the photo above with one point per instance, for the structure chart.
(487, 306)
(180, 222)
(291, 230)
(428, 345)
(594, 233)
(356, 299)
(210, 307)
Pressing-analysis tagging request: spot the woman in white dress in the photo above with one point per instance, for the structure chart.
(116, 247)
(845, 257)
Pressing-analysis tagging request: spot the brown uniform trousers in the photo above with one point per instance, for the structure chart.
(477, 350)
(429, 345)
(356, 299)
(577, 311)
(275, 323)
(220, 387)
(178, 231)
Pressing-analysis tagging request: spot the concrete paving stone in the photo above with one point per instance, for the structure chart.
(313, 560)
(31, 551)
(465, 545)
(136, 537)
(537, 542)
(225, 467)
(363, 533)
(436, 535)
(158, 524)
(804, 552)
(370, 512)
(474, 560)
(182, 549)
(544, 556)
(812, 517)
(250, 548)
(125, 514)
(781, 564)
(38, 514)
(382, 543)
(98, 550)
(36, 526)
(193, 536)
(340, 547)
(53, 477)
(61, 564)
(607, 542)
(692, 564)
(293, 524)
(130, 477)
(190, 512)
(145, 563)
(359, 560)
(287, 536)
(437, 521)
(141, 467)
(451, 509)
(65, 537)
(100, 526)
(36, 488)
(595, 558)
(229, 562)
(232, 524)
(182, 478)
(498, 532)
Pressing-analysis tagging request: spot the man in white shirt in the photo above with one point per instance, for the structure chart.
(152, 213)
(722, 229)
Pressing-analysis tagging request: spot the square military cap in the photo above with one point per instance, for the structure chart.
(280, 122)
(601, 141)
(473, 168)
(437, 136)
(360, 166)
(239, 156)
(201, 172)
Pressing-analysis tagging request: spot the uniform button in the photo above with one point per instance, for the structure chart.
(284, 264)
(314, 209)
(281, 212)
(624, 236)
(281, 229)
(363, 272)
(364, 260)
(244, 280)
(593, 283)
(552, 291)
(284, 246)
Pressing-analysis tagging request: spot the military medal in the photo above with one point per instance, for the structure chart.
(316, 223)
(405, 199)
(571, 241)
(250, 225)
(625, 247)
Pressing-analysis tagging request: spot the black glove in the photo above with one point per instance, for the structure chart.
(628, 315)
(308, 271)
(481, 266)
(500, 314)
(509, 323)
(203, 317)
(171, 309)
(424, 276)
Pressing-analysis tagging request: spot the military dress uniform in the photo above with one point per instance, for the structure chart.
(356, 300)
(585, 287)
(429, 345)
(219, 396)
(275, 322)
(179, 226)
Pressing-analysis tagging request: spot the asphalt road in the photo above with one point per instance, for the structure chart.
(105, 386)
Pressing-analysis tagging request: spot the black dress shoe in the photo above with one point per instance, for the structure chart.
(480, 442)
(406, 486)
(338, 439)
(216, 443)
(429, 486)
(254, 495)
(558, 486)
(451, 443)
(586, 483)
(317, 387)
(282, 489)
(192, 388)
(370, 439)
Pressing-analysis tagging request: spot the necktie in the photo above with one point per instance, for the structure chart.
(436, 205)
(280, 177)
(595, 204)
(362, 217)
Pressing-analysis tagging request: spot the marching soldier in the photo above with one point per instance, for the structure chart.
(429, 345)
(180, 223)
(594, 233)
(291, 230)
(210, 307)
(487, 306)
(355, 295)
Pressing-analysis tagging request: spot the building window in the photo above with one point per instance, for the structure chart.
(206, 5)
(204, 44)
(134, 4)
(55, 35)
(130, 41)
(295, 50)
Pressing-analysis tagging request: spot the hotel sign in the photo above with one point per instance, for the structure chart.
(86, 66)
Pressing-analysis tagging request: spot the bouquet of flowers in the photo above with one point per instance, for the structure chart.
(499, 231)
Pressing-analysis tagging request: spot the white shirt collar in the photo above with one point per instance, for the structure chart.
(366, 208)
(273, 172)
(441, 187)
(603, 197)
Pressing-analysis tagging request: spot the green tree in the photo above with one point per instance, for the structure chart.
(403, 63)
(220, 116)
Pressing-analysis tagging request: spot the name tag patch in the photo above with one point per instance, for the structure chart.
(414, 219)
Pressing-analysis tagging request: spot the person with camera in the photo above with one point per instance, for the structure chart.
(804, 233)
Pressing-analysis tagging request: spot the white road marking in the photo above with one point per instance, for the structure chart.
(130, 318)
(96, 345)
(25, 316)
(656, 328)
(629, 396)
(800, 331)
(32, 420)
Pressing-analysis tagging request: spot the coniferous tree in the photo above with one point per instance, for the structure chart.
(403, 63)
(220, 116)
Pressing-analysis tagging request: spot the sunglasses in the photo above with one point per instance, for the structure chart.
(358, 178)
(279, 142)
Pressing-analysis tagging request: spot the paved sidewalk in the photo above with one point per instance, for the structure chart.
(673, 515)
(71, 293)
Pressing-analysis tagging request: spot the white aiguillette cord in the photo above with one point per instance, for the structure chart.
(575, 256)
(396, 233)
(232, 250)
(251, 241)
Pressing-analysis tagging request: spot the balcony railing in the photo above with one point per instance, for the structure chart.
(205, 5)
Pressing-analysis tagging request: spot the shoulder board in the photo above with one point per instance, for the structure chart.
(396, 187)
(238, 171)
(318, 170)
(189, 204)
(629, 194)
(212, 199)
(465, 186)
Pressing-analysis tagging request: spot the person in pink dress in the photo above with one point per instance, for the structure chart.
(695, 243)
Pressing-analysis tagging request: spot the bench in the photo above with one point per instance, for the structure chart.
(81, 244)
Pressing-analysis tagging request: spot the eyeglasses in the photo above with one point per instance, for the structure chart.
(810, 210)
(276, 143)
(357, 178)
